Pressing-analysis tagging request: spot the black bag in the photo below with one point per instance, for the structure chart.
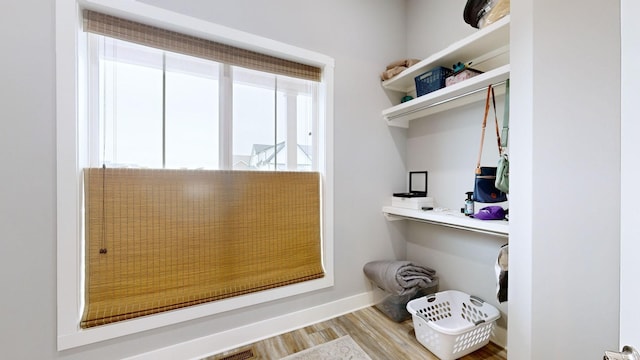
(484, 189)
(474, 11)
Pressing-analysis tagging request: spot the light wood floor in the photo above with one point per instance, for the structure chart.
(380, 337)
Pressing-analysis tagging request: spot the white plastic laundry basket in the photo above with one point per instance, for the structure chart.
(452, 324)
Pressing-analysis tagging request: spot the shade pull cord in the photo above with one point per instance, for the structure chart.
(103, 241)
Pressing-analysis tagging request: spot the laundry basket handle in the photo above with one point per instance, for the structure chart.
(422, 316)
(476, 300)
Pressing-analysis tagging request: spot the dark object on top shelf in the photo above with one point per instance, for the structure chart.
(474, 10)
(480, 13)
(431, 80)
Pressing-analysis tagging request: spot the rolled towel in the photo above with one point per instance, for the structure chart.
(399, 277)
(404, 62)
(397, 67)
(389, 73)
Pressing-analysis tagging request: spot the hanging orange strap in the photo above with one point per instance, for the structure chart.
(490, 97)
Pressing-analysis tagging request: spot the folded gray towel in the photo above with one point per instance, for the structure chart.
(399, 277)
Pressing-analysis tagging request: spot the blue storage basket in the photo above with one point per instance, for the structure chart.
(432, 80)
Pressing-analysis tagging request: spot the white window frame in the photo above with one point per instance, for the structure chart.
(71, 108)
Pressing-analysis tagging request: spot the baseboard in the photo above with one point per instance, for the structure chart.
(244, 335)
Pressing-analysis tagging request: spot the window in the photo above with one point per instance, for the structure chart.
(269, 113)
(83, 143)
(146, 231)
(159, 109)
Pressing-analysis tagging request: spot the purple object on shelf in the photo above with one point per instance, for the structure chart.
(490, 213)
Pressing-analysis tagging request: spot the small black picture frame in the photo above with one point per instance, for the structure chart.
(417, 185)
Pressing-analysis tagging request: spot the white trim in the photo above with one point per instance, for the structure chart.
(244, 335)
(225, 116)
(68, 23)
(68, 267)
(68, 340)
(291, 133)
(629, 172)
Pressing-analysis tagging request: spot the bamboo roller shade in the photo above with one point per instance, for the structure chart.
(159, 38)
(158, 240)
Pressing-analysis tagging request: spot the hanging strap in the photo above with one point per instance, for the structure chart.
(490, 96)
(505, 119)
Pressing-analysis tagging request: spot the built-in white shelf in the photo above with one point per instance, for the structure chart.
(449, 218)
(478, 48)
(487, 50)
(462, 93)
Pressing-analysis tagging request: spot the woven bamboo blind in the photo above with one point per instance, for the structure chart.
(158, 240)
(147, 35)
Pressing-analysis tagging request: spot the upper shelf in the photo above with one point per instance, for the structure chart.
(480, 47)
(486, 50)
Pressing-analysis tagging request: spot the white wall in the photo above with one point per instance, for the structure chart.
(446, 144)
(565, 61)
(433, 25)
(27, 184)
(630, 232)
(367, 168)
(521, 174)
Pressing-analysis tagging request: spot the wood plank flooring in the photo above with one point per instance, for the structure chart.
(379, 336)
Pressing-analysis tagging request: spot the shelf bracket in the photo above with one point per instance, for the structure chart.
(391, 217)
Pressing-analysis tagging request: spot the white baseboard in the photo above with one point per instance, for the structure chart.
(244, 335)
